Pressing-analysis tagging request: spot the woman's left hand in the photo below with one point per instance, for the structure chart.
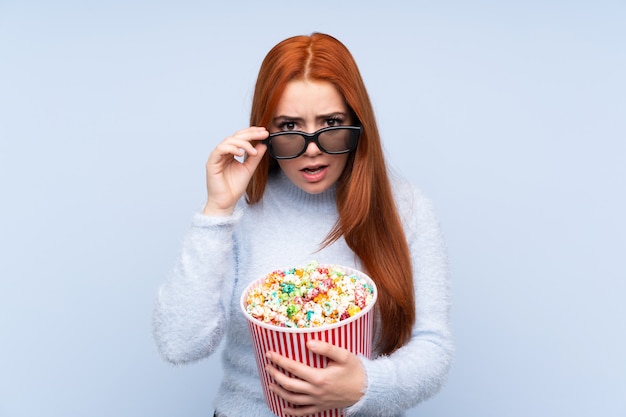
(339, 385)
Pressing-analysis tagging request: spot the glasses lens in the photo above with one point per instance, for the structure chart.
(285, 146)
(337, 140)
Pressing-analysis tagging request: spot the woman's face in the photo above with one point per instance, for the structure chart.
(308, 106)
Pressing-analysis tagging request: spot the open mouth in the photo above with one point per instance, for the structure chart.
(314, 170)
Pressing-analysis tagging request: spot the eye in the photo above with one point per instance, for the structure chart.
(334, 121)
(288, 125)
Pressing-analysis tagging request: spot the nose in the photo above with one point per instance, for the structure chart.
(312, 149)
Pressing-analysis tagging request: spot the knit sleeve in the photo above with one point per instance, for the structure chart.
(189, 319)
(418, 370)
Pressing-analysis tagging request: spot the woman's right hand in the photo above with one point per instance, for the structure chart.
(226, 177)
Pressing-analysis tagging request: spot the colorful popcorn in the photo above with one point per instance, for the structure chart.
(309, 296)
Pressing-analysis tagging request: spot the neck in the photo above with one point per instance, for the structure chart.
(292, 194)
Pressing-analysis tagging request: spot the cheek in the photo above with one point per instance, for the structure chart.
(341, 162)
(288, 166)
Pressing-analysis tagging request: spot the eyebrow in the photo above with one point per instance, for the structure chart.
(283, 118)
(279, 119)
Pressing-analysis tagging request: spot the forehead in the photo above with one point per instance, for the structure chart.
(303, 98)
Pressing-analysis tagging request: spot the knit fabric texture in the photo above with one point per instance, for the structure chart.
(198, 306)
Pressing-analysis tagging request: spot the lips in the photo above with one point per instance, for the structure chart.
(314, 173)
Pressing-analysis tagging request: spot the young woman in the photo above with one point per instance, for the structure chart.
(310, 183)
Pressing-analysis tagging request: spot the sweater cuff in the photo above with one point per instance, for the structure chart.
(359, 405)
(377, 395)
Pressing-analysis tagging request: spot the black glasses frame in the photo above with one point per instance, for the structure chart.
(314, 137)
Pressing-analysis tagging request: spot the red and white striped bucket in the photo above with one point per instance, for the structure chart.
(354, 334)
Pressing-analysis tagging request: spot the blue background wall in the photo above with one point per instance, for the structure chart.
(510, 115)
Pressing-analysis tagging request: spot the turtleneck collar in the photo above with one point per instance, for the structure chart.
(280, 188)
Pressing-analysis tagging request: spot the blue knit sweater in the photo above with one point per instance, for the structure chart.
(197, 306)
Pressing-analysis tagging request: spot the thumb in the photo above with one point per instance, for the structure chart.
(332, 352)
(252, 161)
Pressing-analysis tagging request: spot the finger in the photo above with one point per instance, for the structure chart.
(259, 135)
(240, 141)
(295, 385)
(235, 146)
(252, 130)
(253, 160)
(332, 352)
(251, 134)
(296, 368)
(292, 397)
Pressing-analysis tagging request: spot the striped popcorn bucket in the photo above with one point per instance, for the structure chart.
(353, 334)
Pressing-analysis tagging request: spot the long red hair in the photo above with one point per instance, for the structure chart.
(368, 218)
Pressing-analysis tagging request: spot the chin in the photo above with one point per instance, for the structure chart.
(316, 188)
